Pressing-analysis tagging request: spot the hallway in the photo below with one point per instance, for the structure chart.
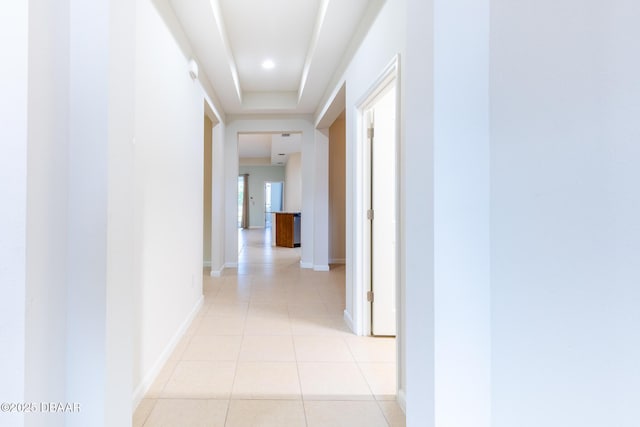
(270, 348)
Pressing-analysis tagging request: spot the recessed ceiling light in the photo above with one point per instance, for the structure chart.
(268, 64)
(280, 154)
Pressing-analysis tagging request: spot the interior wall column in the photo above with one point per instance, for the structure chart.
(100, 286)
(417, 231)
(14, 40)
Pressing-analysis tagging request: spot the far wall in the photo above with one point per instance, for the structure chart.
(258, 175)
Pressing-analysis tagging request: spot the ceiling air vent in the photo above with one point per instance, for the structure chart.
(284, 135)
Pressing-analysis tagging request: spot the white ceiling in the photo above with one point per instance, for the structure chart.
(273, 146)
(254, 145)
(306, 39)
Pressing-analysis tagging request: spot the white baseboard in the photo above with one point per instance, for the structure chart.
(306, 264)
(230, 265)
(216, 273)
(401, 398)
(321, 267)
(149, 378)
(349, 320)
(337, 261)
(252, 227)
(206, 264)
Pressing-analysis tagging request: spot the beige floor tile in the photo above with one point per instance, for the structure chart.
(200, 379)
(213, 347)
(167, 370)
(393, 413)
(267, 349)
(221, 325)
(266, 413)
(302, 295)
(195, 324)
(326, 325)
(157, 387)
(267, 296)
(142, 412)
(231, 296)
(335, 309)
(311, 309)
(180, 348)
(217, 308)
(270, 325)
(372, 349)
(257, 321)
(266, 380)
(273, 310)
(344, 414)
(333, 381)
(381, 378)
(188, 412)
(321, 349)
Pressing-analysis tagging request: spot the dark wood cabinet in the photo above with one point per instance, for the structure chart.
(288, 229)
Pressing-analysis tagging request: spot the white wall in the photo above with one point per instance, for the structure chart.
(168, 152)
(14, 40)
(77, 271)
(293, 184)
(47, 198)
(88, 183)
(418, 217)
(121, 268)
(565, 209)
(462, 312)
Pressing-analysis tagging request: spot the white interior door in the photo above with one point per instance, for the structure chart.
(384, 211)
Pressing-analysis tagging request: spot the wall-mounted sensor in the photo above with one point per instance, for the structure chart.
(193, 69)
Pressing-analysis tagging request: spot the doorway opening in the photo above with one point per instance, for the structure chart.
(269, 165)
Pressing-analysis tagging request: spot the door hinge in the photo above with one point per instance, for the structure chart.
(370, 133)
(370, 214)
(370, 296)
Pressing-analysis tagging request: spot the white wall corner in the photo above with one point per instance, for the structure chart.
(306, 264)
(349, 320)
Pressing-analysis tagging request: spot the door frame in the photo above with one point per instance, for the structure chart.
(390, 76)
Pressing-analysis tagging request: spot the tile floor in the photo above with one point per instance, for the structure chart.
(270, 348)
